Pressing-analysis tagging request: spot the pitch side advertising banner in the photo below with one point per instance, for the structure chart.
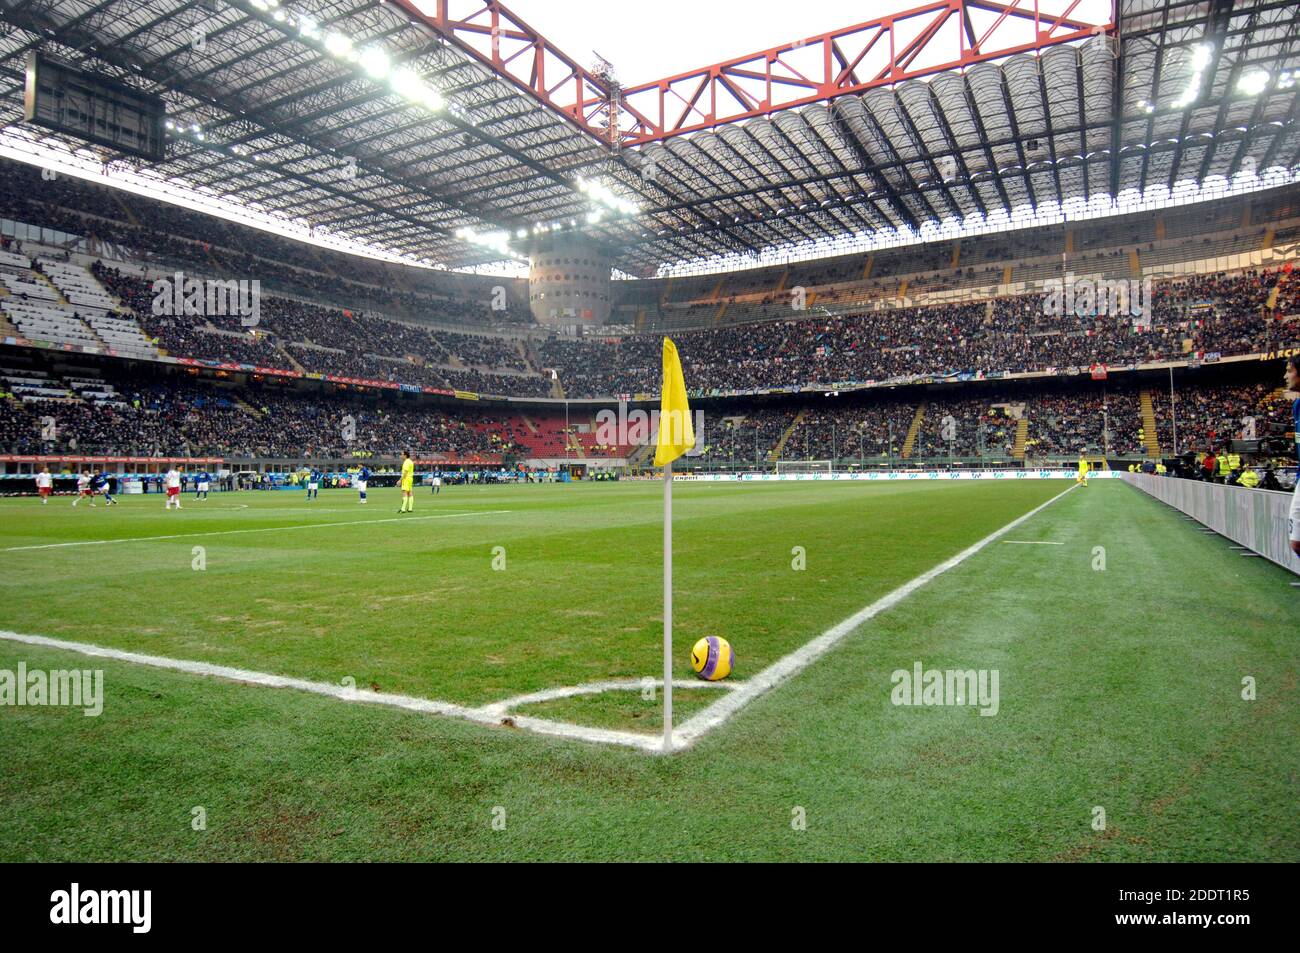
(1256, 519)
(64, 459)
(884, 475)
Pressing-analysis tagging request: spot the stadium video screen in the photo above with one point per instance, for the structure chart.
(94, 108)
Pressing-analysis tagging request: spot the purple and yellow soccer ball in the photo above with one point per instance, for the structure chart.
(712, 658)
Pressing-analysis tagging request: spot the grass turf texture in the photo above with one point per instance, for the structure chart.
(1118, 688)
(412, 604)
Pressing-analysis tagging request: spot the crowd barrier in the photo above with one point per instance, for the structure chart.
(1256, 519)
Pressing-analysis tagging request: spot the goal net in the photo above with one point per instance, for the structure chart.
(804, 466)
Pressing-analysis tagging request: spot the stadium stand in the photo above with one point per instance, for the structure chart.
(846, 337)
(94, 412)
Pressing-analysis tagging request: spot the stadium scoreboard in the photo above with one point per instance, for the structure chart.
(95, 108)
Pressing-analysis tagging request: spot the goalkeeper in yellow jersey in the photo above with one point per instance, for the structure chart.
(1083, 470)
(407, 484)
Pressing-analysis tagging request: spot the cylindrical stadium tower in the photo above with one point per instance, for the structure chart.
(569, 283)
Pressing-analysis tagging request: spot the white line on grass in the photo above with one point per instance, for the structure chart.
(1031, 542)
(596, 688)
(259, 529)
(794, 663)
(494, 713)
(487, 715)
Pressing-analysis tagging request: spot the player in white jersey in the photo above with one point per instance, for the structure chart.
(84, 490)
(44, 485)
(172, 483)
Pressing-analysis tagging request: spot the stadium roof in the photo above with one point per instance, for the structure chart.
(404, 129)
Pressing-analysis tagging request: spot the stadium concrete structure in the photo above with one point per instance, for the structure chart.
(569, 286)
(387, 228)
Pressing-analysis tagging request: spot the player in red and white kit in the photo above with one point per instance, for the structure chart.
(172, 483)
(44, 485)
(84, 489)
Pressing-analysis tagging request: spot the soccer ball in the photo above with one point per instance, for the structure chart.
(712, 658)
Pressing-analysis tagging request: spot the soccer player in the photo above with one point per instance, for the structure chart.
(1083, 470)
(1292, 381)
(201, 483)
(313, 484)
(407, 483)
(83, 489)
(363, 477)
(172, 483)
(44, 485)
(99, 484)
(437, 483)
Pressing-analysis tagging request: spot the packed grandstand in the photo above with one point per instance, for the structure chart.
(930, 344)
(866, 373)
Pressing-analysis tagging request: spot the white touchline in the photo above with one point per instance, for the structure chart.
(487, 714)
(259, 529)
(794, 663)
(495, 713)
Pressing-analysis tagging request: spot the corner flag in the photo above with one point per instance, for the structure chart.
(676, 431)
(676, 436)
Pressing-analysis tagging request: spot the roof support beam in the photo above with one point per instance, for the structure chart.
(880, 52)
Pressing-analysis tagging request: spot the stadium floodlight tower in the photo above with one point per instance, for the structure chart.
(569, 283)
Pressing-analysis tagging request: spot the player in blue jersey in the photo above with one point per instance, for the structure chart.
(363, 477)
(313, 484)
(99, 484)
(201, 482)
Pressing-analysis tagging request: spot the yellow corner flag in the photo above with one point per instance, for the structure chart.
(676, 430)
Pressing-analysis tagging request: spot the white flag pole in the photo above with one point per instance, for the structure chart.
(668, 607)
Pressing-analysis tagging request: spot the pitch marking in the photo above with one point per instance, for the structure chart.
(596, 688)
(487, 715)
(737, 697)
(790, 665)
(260, 529)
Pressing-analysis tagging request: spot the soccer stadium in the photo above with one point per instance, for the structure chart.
(864, 432)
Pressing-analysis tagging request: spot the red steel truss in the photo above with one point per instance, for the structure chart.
(927, 39)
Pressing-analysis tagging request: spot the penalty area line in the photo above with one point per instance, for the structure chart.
(258, 529)
(790, 665)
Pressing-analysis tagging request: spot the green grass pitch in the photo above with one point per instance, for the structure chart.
(1119, 688)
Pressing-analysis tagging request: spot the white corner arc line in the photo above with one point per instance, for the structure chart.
(596, 688)
(257, 529)
(343, 693)
(691, 730)
(790, 665)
